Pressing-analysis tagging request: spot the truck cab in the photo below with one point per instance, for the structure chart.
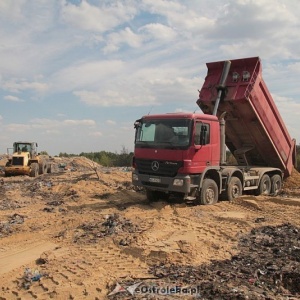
(172, 150)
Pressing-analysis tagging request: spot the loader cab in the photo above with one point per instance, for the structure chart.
(19, 147)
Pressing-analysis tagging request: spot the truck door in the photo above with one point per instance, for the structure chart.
(202, 137)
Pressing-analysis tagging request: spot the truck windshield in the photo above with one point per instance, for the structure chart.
(166, 133)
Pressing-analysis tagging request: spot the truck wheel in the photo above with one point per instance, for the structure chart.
(234, 189)
(152, 196)
(34, 172)
(264, 187)
(209, 192)
(276, 184)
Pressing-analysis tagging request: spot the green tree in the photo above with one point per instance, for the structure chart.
(105, 160)
(44, 153)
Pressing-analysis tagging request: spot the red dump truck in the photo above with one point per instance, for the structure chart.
(184, 154)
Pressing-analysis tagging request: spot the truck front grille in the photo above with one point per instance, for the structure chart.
(17, 161)
(158, 167)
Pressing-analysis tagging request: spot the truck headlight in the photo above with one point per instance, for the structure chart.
(135, 177)
(178, 182)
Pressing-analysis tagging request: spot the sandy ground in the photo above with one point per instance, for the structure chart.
(72, 235)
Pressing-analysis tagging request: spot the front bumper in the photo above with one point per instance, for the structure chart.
(178, 184)
(13, 170)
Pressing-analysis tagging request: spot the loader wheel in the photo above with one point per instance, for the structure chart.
(209, 192)
(264, 187)
(234, 189)
(42, 167)
(49, 169)
(276, 184)
(34, 172)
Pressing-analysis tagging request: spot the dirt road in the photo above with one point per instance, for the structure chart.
(70, 235)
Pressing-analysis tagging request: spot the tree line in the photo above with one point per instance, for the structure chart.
(106, 159)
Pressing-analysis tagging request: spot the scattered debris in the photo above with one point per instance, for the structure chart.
(267, 266)
(29, 277)
(48, 209)
(113, 225)
(8, 227)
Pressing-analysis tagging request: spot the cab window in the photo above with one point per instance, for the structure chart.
(202, 134)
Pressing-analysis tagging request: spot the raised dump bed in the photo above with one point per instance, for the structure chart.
(255, 131)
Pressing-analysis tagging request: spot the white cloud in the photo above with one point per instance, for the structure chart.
(111, 122)
(181, 16)
(13, 98)
(159, 31)
(267, 23)
(95, 134)
(125, 36)
(100, 18)
(52, 132)
(61, 115)
(15, 127)
(15, 85)
(85, 74)
(12, 9)
(113, 98)
(80, 122)
(48, 124)
(289, 110)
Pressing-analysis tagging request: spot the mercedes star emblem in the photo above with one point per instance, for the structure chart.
(155, 165)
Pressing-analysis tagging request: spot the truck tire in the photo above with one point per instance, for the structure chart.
(276, 184)
(264, 187)
(234, 188)
(152, 196)
(42, 167)
(34, 172)
(209, 192)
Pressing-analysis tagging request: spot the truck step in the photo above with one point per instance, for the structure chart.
(251, 177)
(254, 187)
(190, 198)
(194, 185)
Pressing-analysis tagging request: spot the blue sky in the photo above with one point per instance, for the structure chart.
(75, 75)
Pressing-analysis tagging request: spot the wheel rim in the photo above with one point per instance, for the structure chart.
(266, 187)
(235, 191)
(276, 186)
(210, 195)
